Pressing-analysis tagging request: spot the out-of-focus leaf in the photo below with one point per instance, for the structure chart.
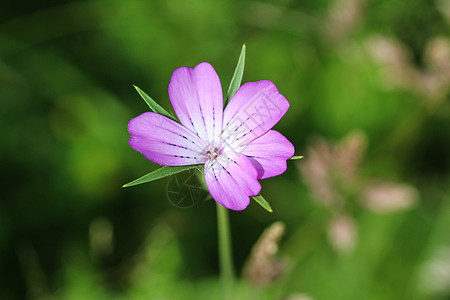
(295, 157)
(237, 76)
(263, 202)
(154, 106)
(159, 173)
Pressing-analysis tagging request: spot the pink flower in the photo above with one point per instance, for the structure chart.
(236, 146)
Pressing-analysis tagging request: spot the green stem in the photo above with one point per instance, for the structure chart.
(225, 255)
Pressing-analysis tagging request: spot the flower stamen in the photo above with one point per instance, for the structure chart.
(212, 152)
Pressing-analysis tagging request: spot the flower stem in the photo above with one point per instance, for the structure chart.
(225, 253)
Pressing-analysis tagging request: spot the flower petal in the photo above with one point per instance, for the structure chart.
(196, 97)
(254, 109)
(231, 180)
(164, 141)
(269, 153)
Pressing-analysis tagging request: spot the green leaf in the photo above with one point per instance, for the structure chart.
(159, 173)
(154, 106)
(261, 201)
(237, 76)
(296, 157)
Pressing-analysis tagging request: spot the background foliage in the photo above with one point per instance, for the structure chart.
(369, 73)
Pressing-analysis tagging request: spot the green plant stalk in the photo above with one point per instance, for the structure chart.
(225, 252)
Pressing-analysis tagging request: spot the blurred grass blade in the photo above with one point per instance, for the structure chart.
(261, 201)
(159, 173)
(154, 106)
(296, 157)
(237, 76)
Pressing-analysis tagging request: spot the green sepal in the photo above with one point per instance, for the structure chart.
(154, 106)
(237, 76)
(295, 157)
(159, 173)
(263, 202)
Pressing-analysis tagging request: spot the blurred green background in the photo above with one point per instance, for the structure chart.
(366, 213)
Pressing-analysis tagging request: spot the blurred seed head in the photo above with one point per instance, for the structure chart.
(435, 82)
(101, 236)
(299, 297)
(343, 18)
(331, 172)
(444, 7)
(349, 154)
(388, 197)
(430, 83)
(387, 50)
(395, 60)
(316, 170)
(262, 267)
(329, 168)
(437, 53)
(342, 233)
(435, 274)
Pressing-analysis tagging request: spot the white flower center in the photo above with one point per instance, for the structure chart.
(212, 151)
